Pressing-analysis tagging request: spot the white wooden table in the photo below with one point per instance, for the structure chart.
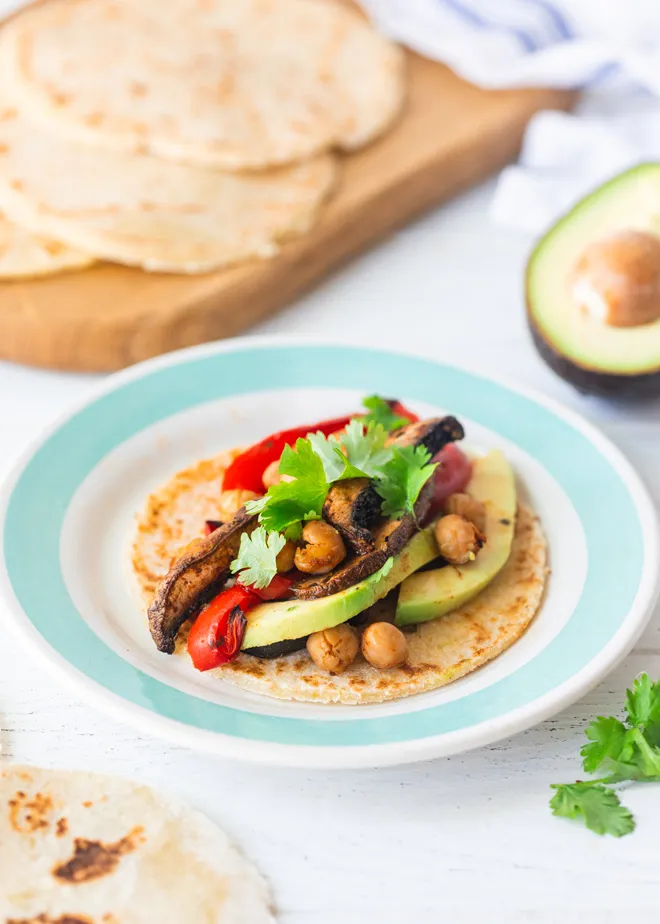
(463, 839)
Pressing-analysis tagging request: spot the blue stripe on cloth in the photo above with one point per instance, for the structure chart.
(561, 25)
(471, 16)
(604, 71)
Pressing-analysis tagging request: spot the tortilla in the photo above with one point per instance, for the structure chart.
(229, 84)
(23, 254)
(81, 848)
(147, 212)
(440, 651)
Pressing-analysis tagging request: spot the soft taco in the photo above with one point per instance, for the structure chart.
(356, 560)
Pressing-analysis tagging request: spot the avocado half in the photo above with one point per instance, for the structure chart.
(595, 358)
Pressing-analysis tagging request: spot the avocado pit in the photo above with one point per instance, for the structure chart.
(616, 280)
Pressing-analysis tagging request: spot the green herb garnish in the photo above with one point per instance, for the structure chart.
(623, 752)
(400, 480)
(256, 562)
(597, 805)
(291, 502)
(361, 453)
(379, 411)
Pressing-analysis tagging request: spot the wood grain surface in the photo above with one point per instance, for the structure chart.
(450, 136)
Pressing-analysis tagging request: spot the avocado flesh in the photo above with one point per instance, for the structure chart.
(289, 619)
(592, 355)
(433, 593)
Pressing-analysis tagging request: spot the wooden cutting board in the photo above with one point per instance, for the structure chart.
(450, 136)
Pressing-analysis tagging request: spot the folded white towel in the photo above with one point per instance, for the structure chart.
(608, 48)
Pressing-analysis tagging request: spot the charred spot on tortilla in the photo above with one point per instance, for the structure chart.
(61, 827)
(60, 919)
(352, 507)
(433, 434)
(195, 579)
(27, 815)
(93, 859)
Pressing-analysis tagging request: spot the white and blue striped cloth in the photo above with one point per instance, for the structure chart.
(610, 49)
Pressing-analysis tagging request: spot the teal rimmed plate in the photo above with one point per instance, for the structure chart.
(68, 513)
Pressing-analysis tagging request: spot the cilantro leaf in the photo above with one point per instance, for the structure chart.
(359, 453)
(598, 806)
(640, 758)
(256, 562)
(379, 411)
(289, 502)
(302, 462)
(606, 740)
(365, 449)
(328, 449)
(626, 752)
(643, 707)
(402, 478)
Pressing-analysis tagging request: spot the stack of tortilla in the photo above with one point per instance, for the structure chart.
(180, 137)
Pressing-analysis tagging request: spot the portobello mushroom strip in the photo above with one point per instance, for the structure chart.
(347, 510)
(353, 506)
(195, 579)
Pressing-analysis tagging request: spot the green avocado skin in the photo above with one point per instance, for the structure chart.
(292, 619)
(593, 381)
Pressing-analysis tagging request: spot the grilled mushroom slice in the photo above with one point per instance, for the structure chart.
(390, 536)
(352, 506)
(194, 579)
(434, 434)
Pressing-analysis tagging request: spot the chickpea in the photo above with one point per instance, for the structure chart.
(323, 548)
(272, 476)
(285, 558)
(457, 538)
(335, 649)
(468, 507)
(231, 502)
(383, 645)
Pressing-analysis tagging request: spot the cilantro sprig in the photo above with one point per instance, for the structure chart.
(256, 562)
(622, 752)
(400, 480)
(399, 474)
(290, 502)
(360, 453)
(597, 805)
(379, 411)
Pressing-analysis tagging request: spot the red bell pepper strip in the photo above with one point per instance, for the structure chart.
(210, 526)
(402, 411)
(217, 634)
(278, 589)
(246, 471)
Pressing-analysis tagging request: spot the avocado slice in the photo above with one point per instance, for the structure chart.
(290, 619)
(433, 593)
(595, 356)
